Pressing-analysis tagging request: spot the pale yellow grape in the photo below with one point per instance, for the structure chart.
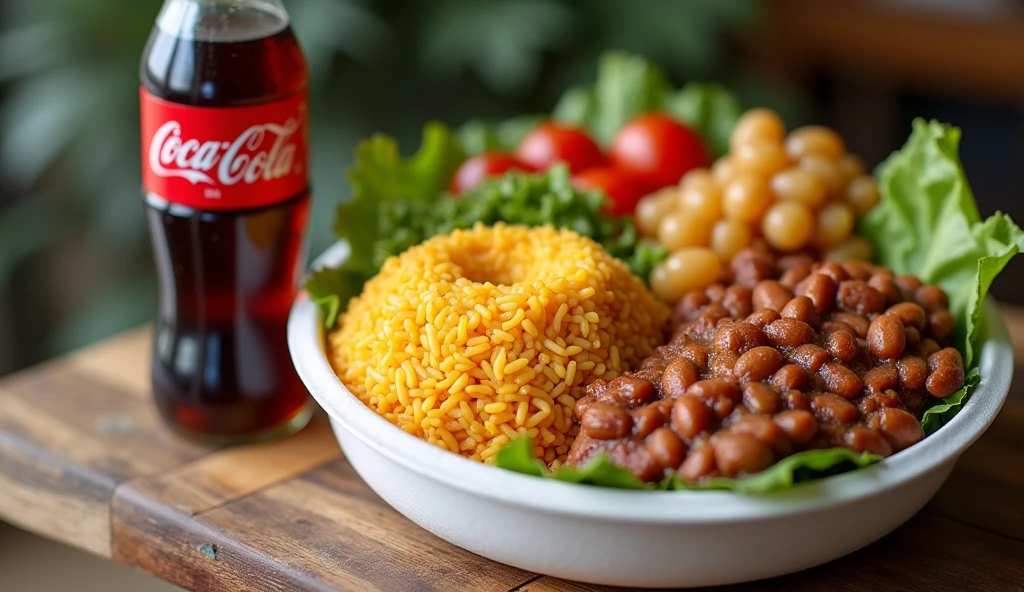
(862, 194)
(800, 185)
(699, 179)
(680, 230)
(814, 139)
(757, 125)
(760, 157)
(685, 270)
(835, 222)
(788, 225)
(729, 237)
(826, 170)
(746, 198)
(703, 202)
(855, 247)
(723, 170)
(652, 209)
(851, 166)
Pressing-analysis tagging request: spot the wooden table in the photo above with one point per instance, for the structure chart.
(85, 460)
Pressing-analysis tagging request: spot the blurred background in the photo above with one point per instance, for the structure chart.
(75, 262)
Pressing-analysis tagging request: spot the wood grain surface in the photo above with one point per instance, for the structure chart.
(85, 460)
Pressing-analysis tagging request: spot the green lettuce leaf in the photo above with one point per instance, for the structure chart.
(928, 224)
(517, 456)
(629, 85)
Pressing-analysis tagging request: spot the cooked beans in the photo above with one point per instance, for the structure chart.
(756, 371)
(885, 337)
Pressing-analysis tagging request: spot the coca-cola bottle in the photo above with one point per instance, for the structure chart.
(224, 160)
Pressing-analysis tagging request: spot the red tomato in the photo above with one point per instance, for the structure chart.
(483, 165)
(658, 149)
(622, 188)
(549, 143)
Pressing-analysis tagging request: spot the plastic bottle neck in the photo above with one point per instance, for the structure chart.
(222, 20)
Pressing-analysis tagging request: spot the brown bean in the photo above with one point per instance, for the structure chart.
(886, 339)
(885, 283)
(821, 289)
(796, 261)
(833, 408)
(629, 391)
(861, 439)
(597, 387)
(927, 347)
(911, 336)
(697, 355)
(810, 357)
(857, 297)
(882, 378)
(738, 338)
(793, 277)
(699, 464)
(751, 266)
(830, 327)
(858, 323)
(763, 317)
(666, 448)
(900, 428)
(843, 346)
(932, 298)
(722, 364)
(946, 373)
(857, 270)
(834, 271)
(910, 313)
(713, 387)
(789, 377)
(798, 424)
(679, 375)
(715, 311)
(715, 292)
(603, 421)
(651, 417)
(765, 431)
(877, 401)
(690, 416)
(801, 308)
(770, 294)
(757, 364)
(915, 400)
(841, 380)
(797, 400)
(908, 285)
(737, 454)
(582, 404)
(761, 398)
(940, 324)
(913, 371)
(687, 308)
(788, 333)
(737, 300)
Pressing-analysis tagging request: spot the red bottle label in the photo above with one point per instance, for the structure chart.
(224, 158)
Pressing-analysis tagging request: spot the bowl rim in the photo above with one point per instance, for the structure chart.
(306, 345)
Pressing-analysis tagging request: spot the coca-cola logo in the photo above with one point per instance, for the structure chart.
(225, 163)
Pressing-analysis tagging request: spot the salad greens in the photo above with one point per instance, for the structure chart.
(399, 202)
(926, 224)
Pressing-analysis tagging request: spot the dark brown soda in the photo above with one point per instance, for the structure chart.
(221, 369)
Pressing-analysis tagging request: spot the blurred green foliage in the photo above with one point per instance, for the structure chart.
(75, 263)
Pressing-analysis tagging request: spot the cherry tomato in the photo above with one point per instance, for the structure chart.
(622, 188)
(658, 149)
(549, 143)
(483, 165)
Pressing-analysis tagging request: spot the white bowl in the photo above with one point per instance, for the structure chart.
(639, 538)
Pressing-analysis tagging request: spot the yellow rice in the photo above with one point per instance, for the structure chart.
(472, 339)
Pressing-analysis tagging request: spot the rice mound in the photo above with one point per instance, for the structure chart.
(474, 338)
